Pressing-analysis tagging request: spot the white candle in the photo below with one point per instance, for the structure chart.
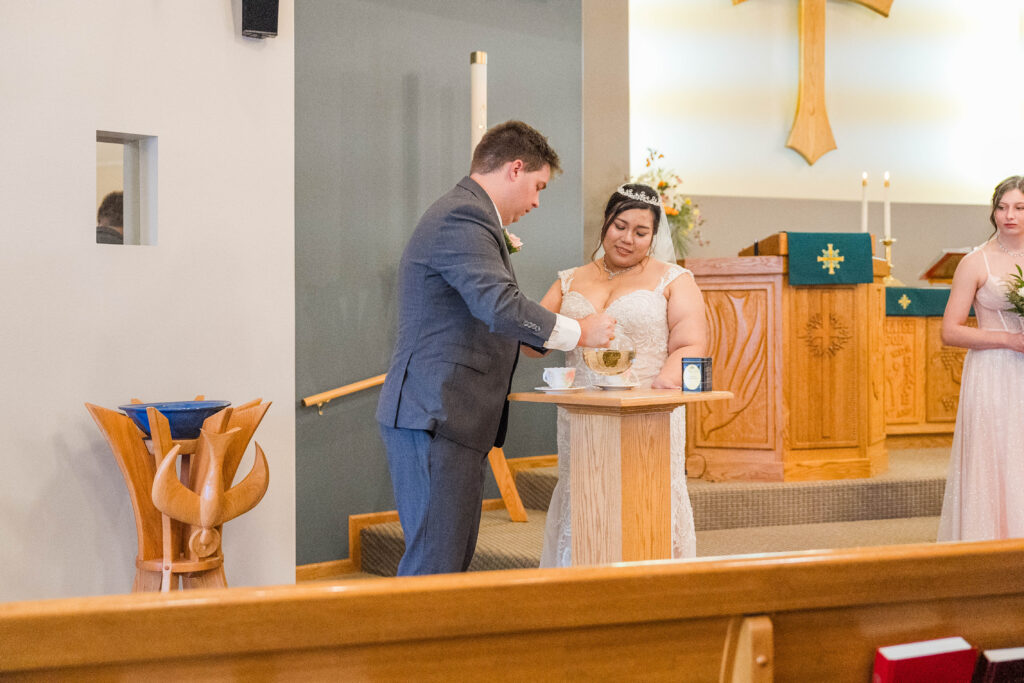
(864, 202)
(477, 97)
(886, 215)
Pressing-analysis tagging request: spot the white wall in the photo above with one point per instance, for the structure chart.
(209, 310)
(932, 93)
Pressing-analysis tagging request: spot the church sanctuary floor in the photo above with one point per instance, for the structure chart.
(731, 518)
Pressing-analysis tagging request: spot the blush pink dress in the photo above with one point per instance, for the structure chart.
(643, 317)
(984, 496)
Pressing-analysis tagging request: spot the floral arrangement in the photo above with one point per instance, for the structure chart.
(683, 215)
(513, 243)
(1015, 291)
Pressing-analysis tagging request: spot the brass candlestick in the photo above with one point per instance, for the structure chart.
(889, 280)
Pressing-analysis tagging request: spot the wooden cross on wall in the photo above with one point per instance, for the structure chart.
(811, 135)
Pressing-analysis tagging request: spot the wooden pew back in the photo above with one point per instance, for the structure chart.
(823, 614)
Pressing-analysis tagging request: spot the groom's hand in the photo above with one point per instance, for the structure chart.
(596, 330)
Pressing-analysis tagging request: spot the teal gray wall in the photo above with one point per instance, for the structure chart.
(381, 131)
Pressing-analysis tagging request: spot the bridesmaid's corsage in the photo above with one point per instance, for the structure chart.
(513, 243)
(1015, 291)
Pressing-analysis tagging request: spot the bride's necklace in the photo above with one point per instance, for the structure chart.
(615, 273)
(999, 243)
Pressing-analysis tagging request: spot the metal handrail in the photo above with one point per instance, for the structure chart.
(325, 397)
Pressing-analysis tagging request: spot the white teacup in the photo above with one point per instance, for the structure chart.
(559, 378)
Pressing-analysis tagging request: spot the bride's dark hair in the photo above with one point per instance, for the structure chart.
(1014, 182)
(619, 203)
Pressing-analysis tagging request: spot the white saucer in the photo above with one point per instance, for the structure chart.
(616, 387)
(559, 390)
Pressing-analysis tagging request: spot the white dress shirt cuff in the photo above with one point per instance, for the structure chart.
(565, 336)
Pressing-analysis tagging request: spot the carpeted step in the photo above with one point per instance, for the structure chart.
(511, 545)
(791, 537)
(900, 506)
(502, 544)
(535, 486)
(912, 487)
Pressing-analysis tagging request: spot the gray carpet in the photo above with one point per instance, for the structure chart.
(912, 487)
(776, 539)
(502, 544)
(508, 545)
(732, 518)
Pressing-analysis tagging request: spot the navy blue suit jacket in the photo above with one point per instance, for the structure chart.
(460, 321)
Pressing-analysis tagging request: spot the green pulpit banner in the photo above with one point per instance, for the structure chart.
(829, 258)
(916, 301)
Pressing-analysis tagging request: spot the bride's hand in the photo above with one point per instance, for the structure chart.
(662, 383)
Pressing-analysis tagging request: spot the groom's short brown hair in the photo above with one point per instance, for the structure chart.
(513, 140)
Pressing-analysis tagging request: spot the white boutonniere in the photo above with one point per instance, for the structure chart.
(513, 243)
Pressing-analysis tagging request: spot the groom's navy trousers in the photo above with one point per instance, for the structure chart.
(438, 488)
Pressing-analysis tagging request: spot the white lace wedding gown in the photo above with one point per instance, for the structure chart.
(643, 317)
(984, 496)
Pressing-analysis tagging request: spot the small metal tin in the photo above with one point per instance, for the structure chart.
(696, 374)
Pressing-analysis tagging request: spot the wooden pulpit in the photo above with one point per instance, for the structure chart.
(621, 470)
(803, 361)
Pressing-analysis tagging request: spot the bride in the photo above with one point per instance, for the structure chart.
(659, 307)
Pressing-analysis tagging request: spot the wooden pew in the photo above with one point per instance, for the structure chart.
(816, 615)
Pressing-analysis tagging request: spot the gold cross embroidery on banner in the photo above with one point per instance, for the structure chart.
(811, 135)
(830, 259)
(904, 301)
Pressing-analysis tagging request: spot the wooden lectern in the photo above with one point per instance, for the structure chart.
(621, 470)
(804, 363)
(940, 272)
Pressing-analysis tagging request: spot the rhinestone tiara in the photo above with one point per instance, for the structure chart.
(639, 196)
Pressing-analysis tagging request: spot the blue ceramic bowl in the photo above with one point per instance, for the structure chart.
(185, 417)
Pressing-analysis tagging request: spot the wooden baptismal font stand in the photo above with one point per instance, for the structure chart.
(621, 470)
(805, 364)
(178, 517)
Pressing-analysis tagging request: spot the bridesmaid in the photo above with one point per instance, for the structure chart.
(984, 496)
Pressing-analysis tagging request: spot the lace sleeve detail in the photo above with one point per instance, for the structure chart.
(566, 277)
(671, 274)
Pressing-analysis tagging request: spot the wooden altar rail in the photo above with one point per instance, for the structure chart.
(816, 615)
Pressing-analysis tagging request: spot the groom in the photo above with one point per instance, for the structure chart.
(460, 322)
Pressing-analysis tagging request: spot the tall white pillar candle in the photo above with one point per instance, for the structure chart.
(477, 97)
(864, 202)
(886, 215)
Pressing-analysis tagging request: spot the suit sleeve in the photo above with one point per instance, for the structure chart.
(468, 256)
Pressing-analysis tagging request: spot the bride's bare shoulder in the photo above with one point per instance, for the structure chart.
(588, 271)
(973, 267)
(657, 267)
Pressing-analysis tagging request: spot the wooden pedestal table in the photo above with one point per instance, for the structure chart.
(621, 470)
